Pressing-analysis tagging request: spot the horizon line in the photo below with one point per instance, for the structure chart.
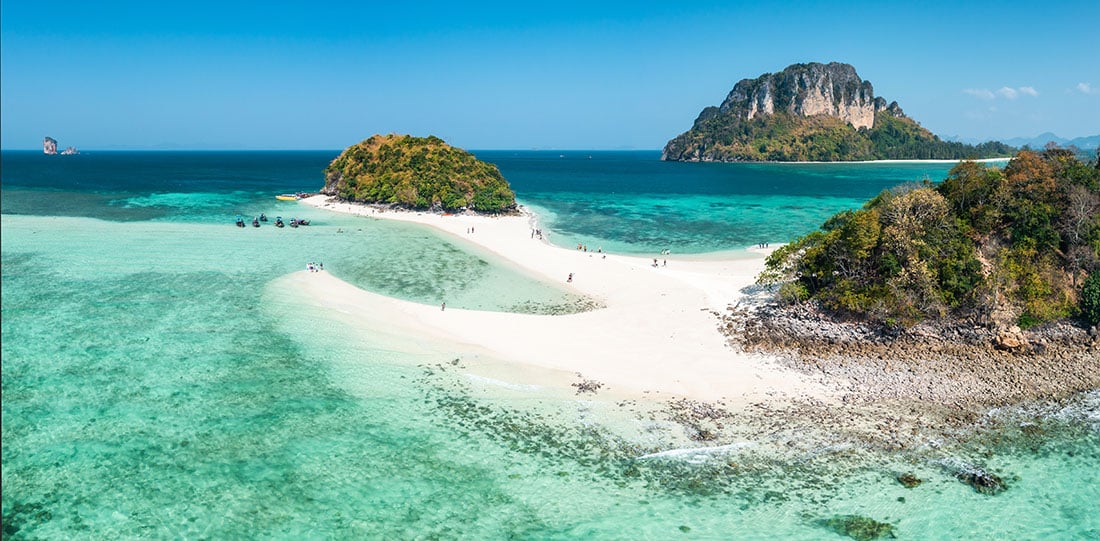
(548, 149)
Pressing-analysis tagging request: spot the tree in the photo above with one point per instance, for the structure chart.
(1090, 298)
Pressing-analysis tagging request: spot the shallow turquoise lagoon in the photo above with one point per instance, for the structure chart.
(160, 382)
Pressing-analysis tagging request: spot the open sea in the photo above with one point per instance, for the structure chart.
(161, 380)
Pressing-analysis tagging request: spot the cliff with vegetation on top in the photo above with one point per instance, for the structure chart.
(417, 173)
(813, 112)
(999, 247)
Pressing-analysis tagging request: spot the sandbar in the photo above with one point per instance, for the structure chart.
(656, 336)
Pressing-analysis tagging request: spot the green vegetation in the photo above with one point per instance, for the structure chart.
(418, 173)
(1023, 241)
(1090, 298)
(785, 137)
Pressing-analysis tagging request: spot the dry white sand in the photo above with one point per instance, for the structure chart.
(656, 337)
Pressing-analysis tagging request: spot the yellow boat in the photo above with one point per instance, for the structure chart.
(286, 197)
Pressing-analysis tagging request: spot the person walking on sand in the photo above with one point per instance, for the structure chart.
(442, 307)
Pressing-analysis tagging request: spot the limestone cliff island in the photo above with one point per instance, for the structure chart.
(49, 148)
(422, 173)
(813, 112)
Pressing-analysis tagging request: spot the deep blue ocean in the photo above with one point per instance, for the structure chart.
(161, 380)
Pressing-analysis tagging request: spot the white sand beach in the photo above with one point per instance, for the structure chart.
(656, 337)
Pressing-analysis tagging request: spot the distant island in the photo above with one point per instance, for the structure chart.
(417, 173)
(49, 147)
(813, 112)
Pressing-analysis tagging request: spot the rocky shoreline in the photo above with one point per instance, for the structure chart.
(968, 368)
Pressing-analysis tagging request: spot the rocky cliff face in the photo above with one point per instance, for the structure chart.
(832, 89)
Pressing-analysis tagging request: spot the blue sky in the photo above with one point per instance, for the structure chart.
(516, 75)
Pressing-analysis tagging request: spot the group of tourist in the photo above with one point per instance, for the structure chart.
(315, 267)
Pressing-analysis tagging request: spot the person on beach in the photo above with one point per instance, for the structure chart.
(664, 262)
(442, 307)
(570, 279)
(654, 262)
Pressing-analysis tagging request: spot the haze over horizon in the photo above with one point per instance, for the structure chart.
(205, 75)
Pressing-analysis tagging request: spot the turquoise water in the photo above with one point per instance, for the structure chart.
(159, 379)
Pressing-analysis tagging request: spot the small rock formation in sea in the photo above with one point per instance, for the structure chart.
(981, 481)
(811, 112)
(909, 480)
(417, 173)
(49, 147)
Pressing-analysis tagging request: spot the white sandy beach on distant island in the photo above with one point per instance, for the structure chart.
(657, 335)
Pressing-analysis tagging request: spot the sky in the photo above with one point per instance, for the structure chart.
(516, 75)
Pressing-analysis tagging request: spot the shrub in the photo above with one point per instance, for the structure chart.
(1090, 298)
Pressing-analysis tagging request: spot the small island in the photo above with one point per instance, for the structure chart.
(421, 173)
(49, 148)
(813, 112)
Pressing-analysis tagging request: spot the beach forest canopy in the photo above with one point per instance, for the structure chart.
(417, 173)
(1018, 245)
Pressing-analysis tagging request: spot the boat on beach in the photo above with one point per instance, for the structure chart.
(287, 197)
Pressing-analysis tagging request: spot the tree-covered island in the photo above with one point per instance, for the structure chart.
(417, 173)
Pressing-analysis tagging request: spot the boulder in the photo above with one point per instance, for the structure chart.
(1011, 339)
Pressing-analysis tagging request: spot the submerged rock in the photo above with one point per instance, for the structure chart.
(861, 528)
(909, 480)
(982, 481)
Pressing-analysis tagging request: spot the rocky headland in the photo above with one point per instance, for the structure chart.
(960, 366)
